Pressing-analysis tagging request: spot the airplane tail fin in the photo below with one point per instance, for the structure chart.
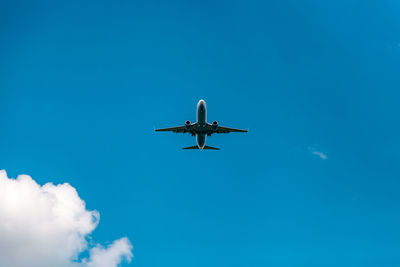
(205, 147)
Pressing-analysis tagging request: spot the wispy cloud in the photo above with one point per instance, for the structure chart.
(315, 151)
(320, 154)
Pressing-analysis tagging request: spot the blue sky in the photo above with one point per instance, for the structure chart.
(84, 83)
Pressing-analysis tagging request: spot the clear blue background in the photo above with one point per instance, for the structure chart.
(84, 83)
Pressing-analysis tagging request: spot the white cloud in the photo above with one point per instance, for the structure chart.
(320, 154)
(315, 151)
(110, 256)
(48, 226)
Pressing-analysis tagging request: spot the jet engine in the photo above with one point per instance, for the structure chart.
(187, 125)
(214, 125)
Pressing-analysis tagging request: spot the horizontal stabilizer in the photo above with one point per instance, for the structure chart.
(191, 147)
(210, 147)
(205, 147)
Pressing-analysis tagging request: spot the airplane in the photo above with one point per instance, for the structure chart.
(201, 128)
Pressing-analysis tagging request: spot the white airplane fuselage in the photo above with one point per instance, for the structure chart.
(201, 128)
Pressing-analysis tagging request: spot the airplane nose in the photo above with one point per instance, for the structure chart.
(201, 105)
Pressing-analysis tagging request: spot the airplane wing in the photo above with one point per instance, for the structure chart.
(221, 129)
(177, 129)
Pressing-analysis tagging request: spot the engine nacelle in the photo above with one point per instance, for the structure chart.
(187, 125)
(214, 125)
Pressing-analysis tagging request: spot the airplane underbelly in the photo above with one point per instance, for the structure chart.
(201, 118)
(201, 140)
